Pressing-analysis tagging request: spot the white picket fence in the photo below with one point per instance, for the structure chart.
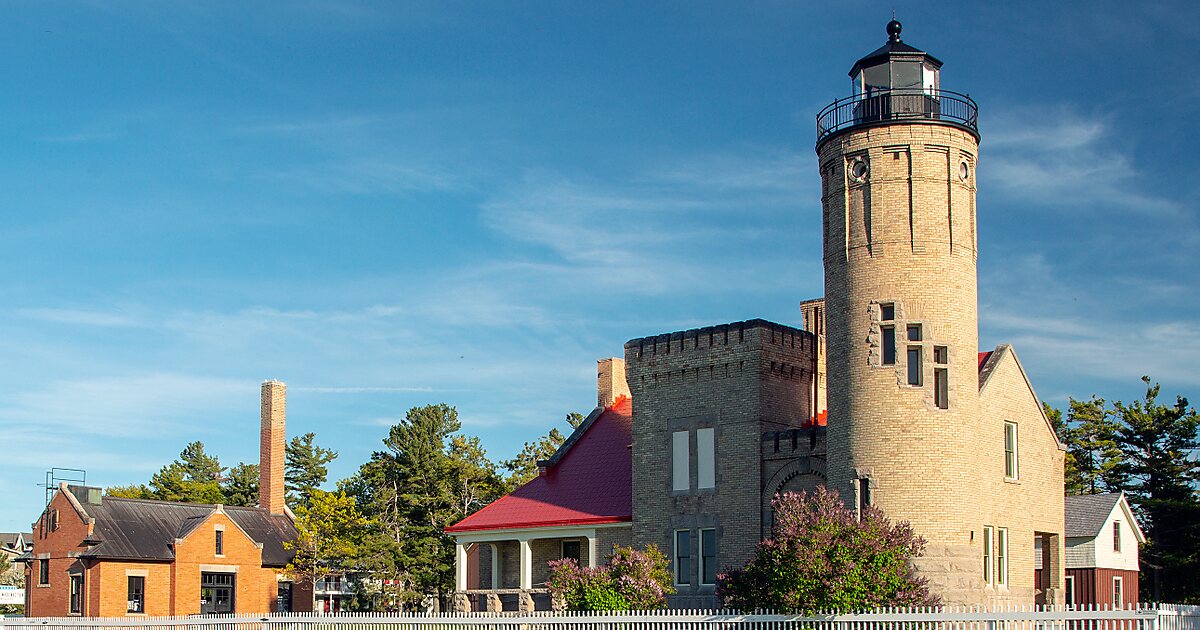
(1146, 617)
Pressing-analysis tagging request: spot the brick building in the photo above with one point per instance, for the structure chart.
(884, 396)
(100, 556)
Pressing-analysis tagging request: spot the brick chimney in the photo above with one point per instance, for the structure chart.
(272, 447)
(610, 377)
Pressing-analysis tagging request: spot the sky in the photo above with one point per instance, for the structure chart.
(392, 204)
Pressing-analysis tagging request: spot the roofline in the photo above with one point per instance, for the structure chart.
(74, 501)
(742, 325)
(509, 527)
(984, 379)
(575, 436)
(1132, 518)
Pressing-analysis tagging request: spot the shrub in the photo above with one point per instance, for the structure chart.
(822, 557)
(632, 580)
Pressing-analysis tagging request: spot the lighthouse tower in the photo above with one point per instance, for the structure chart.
(897, 163)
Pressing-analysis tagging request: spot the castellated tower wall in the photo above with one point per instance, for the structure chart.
(732, 382)
(900, 251)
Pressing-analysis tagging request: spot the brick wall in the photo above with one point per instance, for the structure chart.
(739, 379)
(255, 587)
(60, 546)
(272, 446)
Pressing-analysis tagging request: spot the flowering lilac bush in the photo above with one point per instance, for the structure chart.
(632, 580)
(820, 557)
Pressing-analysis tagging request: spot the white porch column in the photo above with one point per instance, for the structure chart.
(460, 567)
(592, 549)
(526, 564)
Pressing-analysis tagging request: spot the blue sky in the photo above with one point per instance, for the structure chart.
(393, 204)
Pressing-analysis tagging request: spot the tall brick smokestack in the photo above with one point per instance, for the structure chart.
(610, 381)
(272, 447)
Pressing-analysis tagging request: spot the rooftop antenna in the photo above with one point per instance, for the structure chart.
(55, 476)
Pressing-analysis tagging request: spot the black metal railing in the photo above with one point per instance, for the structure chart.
(906, 105)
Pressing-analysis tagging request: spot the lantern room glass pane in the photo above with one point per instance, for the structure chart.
(876, 78)
(906, 75)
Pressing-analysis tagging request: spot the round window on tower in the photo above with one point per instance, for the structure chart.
(859, 170)
(964, 170)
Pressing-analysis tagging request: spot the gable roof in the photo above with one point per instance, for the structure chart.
(142, 529)
(1086, 514)
(989, 361)
(589, 481)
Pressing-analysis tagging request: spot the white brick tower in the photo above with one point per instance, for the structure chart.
(897, 161)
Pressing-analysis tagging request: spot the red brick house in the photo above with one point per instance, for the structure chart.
(99, 556)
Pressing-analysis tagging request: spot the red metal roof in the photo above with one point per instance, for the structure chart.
(983, 357)
(592, 484)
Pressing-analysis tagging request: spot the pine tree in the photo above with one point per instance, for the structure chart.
(1159, 471)
(193, 478)
(305, 468)
(240, 485)
(523, 468)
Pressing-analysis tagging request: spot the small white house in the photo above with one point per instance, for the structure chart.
(1102, 550)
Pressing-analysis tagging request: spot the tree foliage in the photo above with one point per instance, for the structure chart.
(523, 468)
(330, 534)
(429, 477)
(822, 557)
(1146, 449)
(240, 485)
(631, 580)
(306, 468)
(193, 478)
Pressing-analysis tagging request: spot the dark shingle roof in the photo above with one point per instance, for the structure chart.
(1085, 514)
(144, 529)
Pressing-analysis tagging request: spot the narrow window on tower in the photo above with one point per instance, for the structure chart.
(887, 313)
(683, 557)
(941, 377)
(864, 495)
(914, 332)
(680, 461)
(914, 365)
(706, 469)
(708, 556)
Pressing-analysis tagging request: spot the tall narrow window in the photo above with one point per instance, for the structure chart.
(1116, 535)
(283, 597)
(220, 542)
(706, 469)
(1118, 596)
(887, 313)
(680, 455)
(864, 494)
(988, 575)
(136, 600)
(914, 365)
(44, 571)
(1010, 450)
(1069, 590)
(76, 594)
(941, 377)
(1002, 556)
(708, 556)
(683, 557)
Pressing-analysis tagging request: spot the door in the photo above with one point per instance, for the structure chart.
(216, 593)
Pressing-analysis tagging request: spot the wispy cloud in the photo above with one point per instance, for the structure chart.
(1062, 157)
(79, 317)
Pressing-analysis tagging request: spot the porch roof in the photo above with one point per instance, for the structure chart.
(589, 483)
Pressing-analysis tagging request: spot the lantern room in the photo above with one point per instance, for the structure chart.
(896, 66)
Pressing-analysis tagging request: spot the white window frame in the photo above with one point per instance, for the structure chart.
(989, 556)
(1011, 428)
(704, 557)
(1069, 588)
(1116, 536)
(676, 556)
(1118, 592)
(681, 454)
(706, 461)
(1002, 556)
